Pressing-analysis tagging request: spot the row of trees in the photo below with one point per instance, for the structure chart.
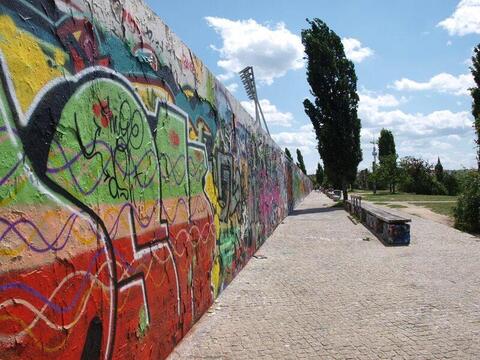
(333, 113)
(300, 162)
(412, 175)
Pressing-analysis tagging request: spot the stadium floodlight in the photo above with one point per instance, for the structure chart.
(248, 80)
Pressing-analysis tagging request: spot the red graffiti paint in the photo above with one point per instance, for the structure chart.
(102, 111)
(174, 138)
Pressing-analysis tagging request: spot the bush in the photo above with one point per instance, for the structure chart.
(417, 176)
(467, 211)
(451, 184)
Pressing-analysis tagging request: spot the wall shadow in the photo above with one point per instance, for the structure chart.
(315, 211)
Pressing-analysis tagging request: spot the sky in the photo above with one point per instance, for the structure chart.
(411, 58)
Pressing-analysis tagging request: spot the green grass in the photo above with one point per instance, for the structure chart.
(439, 208)
(385, 196)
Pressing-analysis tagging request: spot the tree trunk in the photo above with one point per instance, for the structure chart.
(345, 192)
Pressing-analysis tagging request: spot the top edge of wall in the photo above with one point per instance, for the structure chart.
(189, 71)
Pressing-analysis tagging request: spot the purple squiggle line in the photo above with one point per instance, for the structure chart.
(12, 227)
(69, 164)
(114, 229)
(55, 307)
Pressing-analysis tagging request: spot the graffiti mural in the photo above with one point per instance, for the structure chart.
(133, 186)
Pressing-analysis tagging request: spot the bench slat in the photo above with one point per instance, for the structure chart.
(385, 215)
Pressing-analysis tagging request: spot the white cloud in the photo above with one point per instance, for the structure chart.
(272, 115)
(439, 133)
(444, 82)
(465, 19)
(226, 76)
(370, 100)
(355, 51)
(443, 122)
(232, 87)
(304, 140)
(272, 51)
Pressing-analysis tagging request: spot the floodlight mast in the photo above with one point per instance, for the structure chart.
(248, 80)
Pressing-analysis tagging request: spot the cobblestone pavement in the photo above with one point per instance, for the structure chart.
(328, 289)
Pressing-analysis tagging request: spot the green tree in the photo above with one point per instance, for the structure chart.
(363, 179)
(388, 171)
(386, 145)
(451, 184)
(417, 177)
(288, 154)
(300, 163)
(319, 175)
(387, 155)
(439, 171)
(333, 84)
(475, 92)
(467, 211)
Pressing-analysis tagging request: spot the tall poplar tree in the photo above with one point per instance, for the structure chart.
(288, 154)
(319, 175)
(300, 163)
(387, 154)
(386, 145)
(333, 113)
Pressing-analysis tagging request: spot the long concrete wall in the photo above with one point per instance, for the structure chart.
(133, 186)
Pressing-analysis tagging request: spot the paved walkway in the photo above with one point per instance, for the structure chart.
(327, 289)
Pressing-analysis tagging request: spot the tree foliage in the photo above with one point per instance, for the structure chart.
(300, 163)
(475, 92)
(333, 113)
(439, 170)
(386, 145)
(467, 211)
(288, 154)
(417, 177)
(451, 184)
(387, 155)
(363, 179)
(388, 171)
(319, 175)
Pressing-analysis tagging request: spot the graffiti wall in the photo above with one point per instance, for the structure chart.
(133, 186)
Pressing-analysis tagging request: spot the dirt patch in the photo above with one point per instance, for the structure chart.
(411, 208)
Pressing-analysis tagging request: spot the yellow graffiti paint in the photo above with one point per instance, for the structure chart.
(216, 278)
(188, 93)
(192, 135)
(150, 94)
(30, 67)
(13, 252)
(211, 192)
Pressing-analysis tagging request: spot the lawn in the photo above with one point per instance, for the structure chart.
(440, 208)
(385, 196)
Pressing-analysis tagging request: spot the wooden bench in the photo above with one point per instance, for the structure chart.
(392, 229)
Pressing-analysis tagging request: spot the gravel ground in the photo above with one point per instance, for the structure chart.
(325, 287)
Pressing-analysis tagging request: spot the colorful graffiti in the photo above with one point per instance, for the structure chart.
(133, 186)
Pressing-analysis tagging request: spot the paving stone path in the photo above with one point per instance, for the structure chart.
(322, 287)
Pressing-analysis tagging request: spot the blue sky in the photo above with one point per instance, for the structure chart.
(411, 59)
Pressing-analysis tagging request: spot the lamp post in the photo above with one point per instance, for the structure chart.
(248, 80)
(374, 165)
